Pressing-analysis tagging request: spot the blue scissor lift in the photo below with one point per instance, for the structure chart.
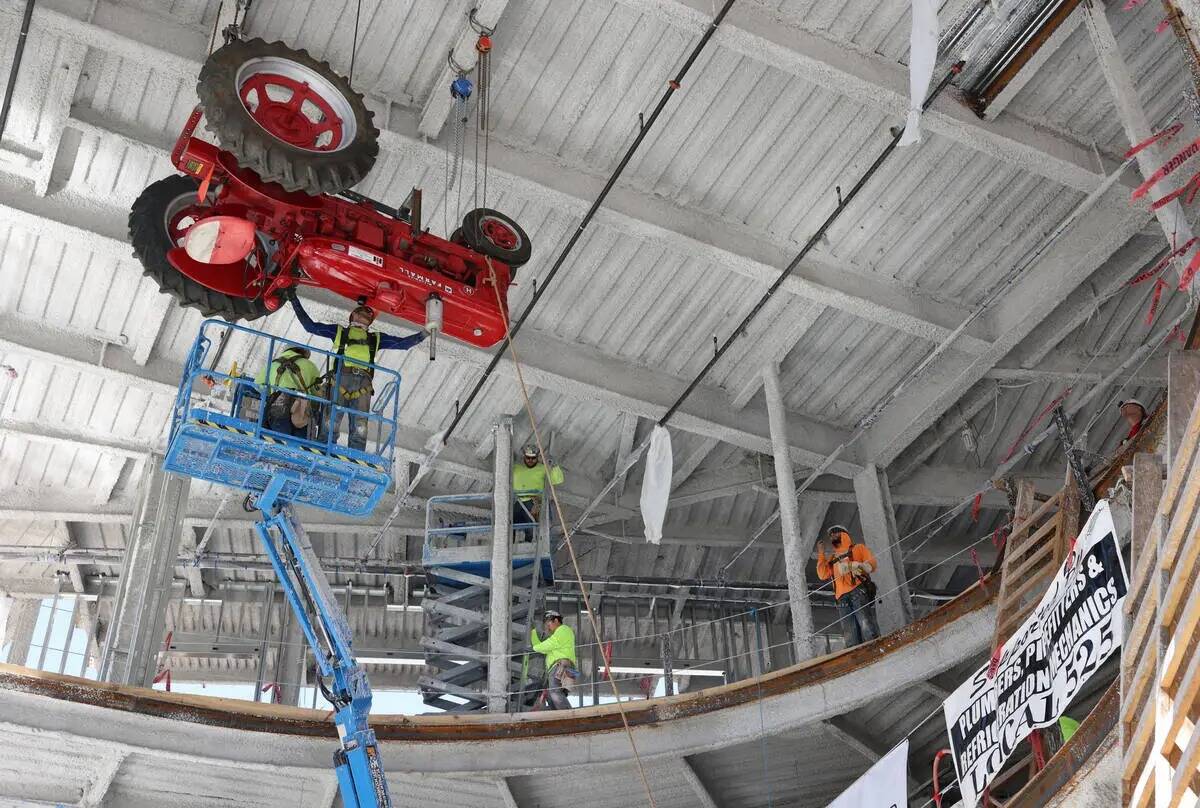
(457, 559)
(218, 435)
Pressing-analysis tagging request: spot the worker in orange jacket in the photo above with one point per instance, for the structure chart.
(850, 565)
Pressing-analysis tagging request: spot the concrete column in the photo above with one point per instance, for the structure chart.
(152, 548)
(878, 519)
(1134, 119)
(292, 656)
(18, 631)
(795, 551)
(501, 596)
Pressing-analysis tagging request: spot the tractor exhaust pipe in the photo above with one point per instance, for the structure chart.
(433, 323)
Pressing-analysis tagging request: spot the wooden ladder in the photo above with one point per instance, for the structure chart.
(1039, 542)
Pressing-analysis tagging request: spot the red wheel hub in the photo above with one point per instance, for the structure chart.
(499, 233)
(292, 111)
(237, 279)
(182, 220)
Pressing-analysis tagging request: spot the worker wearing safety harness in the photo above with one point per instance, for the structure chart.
(559, 650)
(529, 485)
(359, 346)
(290, 370)
(850, 567)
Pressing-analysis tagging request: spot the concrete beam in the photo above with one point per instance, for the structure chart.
(771, 38)
(862, 742)
(704, 799)
(1075, 256)
(629, 425)
(1135, 121)
(553, 754)
(1072, 366)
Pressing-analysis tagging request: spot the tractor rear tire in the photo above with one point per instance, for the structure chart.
(318, 170)
(151, 243)
(491, 233)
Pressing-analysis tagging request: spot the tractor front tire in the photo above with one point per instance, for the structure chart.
(491, 233)
(232, 71)
(151, 242)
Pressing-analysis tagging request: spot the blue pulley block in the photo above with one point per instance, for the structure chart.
(461, 87)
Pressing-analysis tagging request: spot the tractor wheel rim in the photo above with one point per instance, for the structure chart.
(296, 104)
(500, 233)
(182, 212)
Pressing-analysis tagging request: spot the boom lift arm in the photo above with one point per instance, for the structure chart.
(342, 681)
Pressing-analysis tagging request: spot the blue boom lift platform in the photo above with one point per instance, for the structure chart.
(219, 435)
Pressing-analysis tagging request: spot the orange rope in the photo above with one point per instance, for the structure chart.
(587, 605)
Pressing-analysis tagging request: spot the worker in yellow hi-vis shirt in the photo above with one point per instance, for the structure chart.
(529, 484)
(559, 649)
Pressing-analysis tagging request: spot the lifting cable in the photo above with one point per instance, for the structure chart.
(441, 439)
(587, 605)
(673, 86)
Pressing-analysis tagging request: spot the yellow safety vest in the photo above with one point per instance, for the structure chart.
(357, 344)
(281, 374)
(531, 480)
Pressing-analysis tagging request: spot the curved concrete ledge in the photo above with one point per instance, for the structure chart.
(265, 734)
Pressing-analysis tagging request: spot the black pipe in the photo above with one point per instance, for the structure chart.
(18, 54)
(843, 203)
(647, 125)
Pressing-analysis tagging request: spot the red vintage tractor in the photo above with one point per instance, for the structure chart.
(270, 208)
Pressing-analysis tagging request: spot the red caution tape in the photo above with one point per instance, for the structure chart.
(979, 569)
(1191, 185)
(1131, 5)
(1182, 156)
(1162, 264)
(1159, 285)
(994, 662)
(1162, 26)
(975, 504)
(1188, 274)
(1166, 136)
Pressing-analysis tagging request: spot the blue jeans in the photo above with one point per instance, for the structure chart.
(857, 617)
(279, 417)
(355, 393)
